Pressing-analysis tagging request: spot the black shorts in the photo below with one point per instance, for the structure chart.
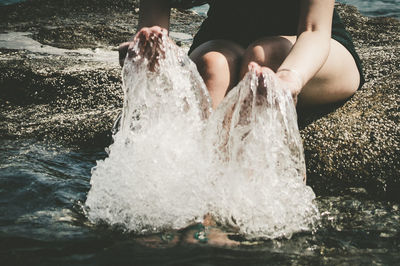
(210, 31)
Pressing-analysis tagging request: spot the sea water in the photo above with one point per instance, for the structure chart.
(43, 184)
(174, 160)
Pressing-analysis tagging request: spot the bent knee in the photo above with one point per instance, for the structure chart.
(269, 52)
(217, 56)
(213, 62)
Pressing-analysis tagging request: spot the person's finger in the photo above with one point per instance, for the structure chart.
(253, 66)
(144, 41)
(152, 52)
(295, 103)
(160, 34)
(156, 29)
(268, 71)
(164, 32)
(131, 51)
(138, 34)
(122, 50)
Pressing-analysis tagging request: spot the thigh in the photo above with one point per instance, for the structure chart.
(268, 51)
(337, 80)
(219, 54)
(218, 62)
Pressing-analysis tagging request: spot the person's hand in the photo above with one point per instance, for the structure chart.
(150, 40)
(289, 79)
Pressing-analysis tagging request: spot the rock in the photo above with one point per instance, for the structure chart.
(358, 144)
(52, 98)
(64, 95)
(74, 96)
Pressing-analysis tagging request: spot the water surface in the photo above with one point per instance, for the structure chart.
(43, 185)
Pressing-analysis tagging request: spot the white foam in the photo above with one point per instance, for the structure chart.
(172, 162)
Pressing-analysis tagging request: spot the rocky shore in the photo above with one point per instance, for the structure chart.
(60, 81)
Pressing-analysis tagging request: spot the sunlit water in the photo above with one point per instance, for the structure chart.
(173, 160)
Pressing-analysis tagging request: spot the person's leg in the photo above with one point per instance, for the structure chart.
(337, 80)
(218, 62)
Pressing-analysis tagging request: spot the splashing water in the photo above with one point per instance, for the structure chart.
(173, 160)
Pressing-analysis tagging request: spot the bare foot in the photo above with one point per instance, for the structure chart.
(160, 240)
(210, 235)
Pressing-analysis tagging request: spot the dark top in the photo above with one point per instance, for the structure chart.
(251, 19)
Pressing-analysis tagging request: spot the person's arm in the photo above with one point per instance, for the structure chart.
(154, 13)
(312, 46)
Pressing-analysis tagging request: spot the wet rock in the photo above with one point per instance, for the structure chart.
(53, 98)
(74, 99)
(64, 96)
(76, 24)
(358, 143)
